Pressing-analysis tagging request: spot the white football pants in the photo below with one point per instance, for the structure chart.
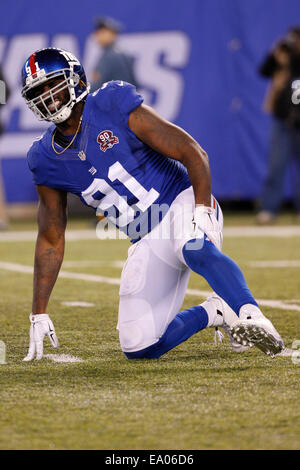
(155, 276)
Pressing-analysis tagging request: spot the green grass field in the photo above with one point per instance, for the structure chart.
(198, 396)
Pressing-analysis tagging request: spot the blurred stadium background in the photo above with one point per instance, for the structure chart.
(197, 64)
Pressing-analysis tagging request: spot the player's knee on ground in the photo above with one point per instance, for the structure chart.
(138, 340)
(137, 333)
(152, 352)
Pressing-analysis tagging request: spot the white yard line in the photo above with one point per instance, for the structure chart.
(280, 231)
(275, 264)
(63, 358)
(276, 231)
(93, 263)
(77, 303)
(20, 268)
(30, 235)
(282, 305)
(120, 264)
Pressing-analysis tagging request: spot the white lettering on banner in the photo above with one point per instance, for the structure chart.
(16, 145)
(2, 46)
(68, 42)
(91, 55)
(163, 78)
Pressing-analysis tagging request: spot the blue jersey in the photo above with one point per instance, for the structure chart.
(108, 167)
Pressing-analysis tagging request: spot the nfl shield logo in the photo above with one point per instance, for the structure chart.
(82, 155)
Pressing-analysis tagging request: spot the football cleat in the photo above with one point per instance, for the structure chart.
(224, 318)
(254, 329)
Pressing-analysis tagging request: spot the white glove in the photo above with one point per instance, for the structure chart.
(205, 219)
(41, 325)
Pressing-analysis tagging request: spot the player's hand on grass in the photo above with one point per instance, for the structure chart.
(205, 219)
(41, 325)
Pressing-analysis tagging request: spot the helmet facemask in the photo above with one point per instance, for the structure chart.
(58, 111)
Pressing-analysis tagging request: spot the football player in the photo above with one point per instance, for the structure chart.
(150, 178)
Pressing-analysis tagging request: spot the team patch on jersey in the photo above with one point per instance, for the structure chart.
(106, 139)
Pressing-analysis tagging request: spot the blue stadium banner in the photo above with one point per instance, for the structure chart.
(196, 61)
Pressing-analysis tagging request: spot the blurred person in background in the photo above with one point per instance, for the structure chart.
(282, 66)
(113, 64)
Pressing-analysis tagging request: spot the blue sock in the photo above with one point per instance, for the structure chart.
(184, 325)
(222, 274)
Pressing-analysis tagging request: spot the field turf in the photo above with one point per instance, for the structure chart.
(198, 396)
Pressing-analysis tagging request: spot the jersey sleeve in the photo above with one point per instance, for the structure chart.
(127, 99)
(33, 164)
(118, 98)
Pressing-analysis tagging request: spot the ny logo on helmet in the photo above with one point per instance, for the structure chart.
(106, 139)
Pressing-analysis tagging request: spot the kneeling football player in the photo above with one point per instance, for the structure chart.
(152, 180)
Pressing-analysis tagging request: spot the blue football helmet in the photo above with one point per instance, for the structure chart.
(63, 71)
